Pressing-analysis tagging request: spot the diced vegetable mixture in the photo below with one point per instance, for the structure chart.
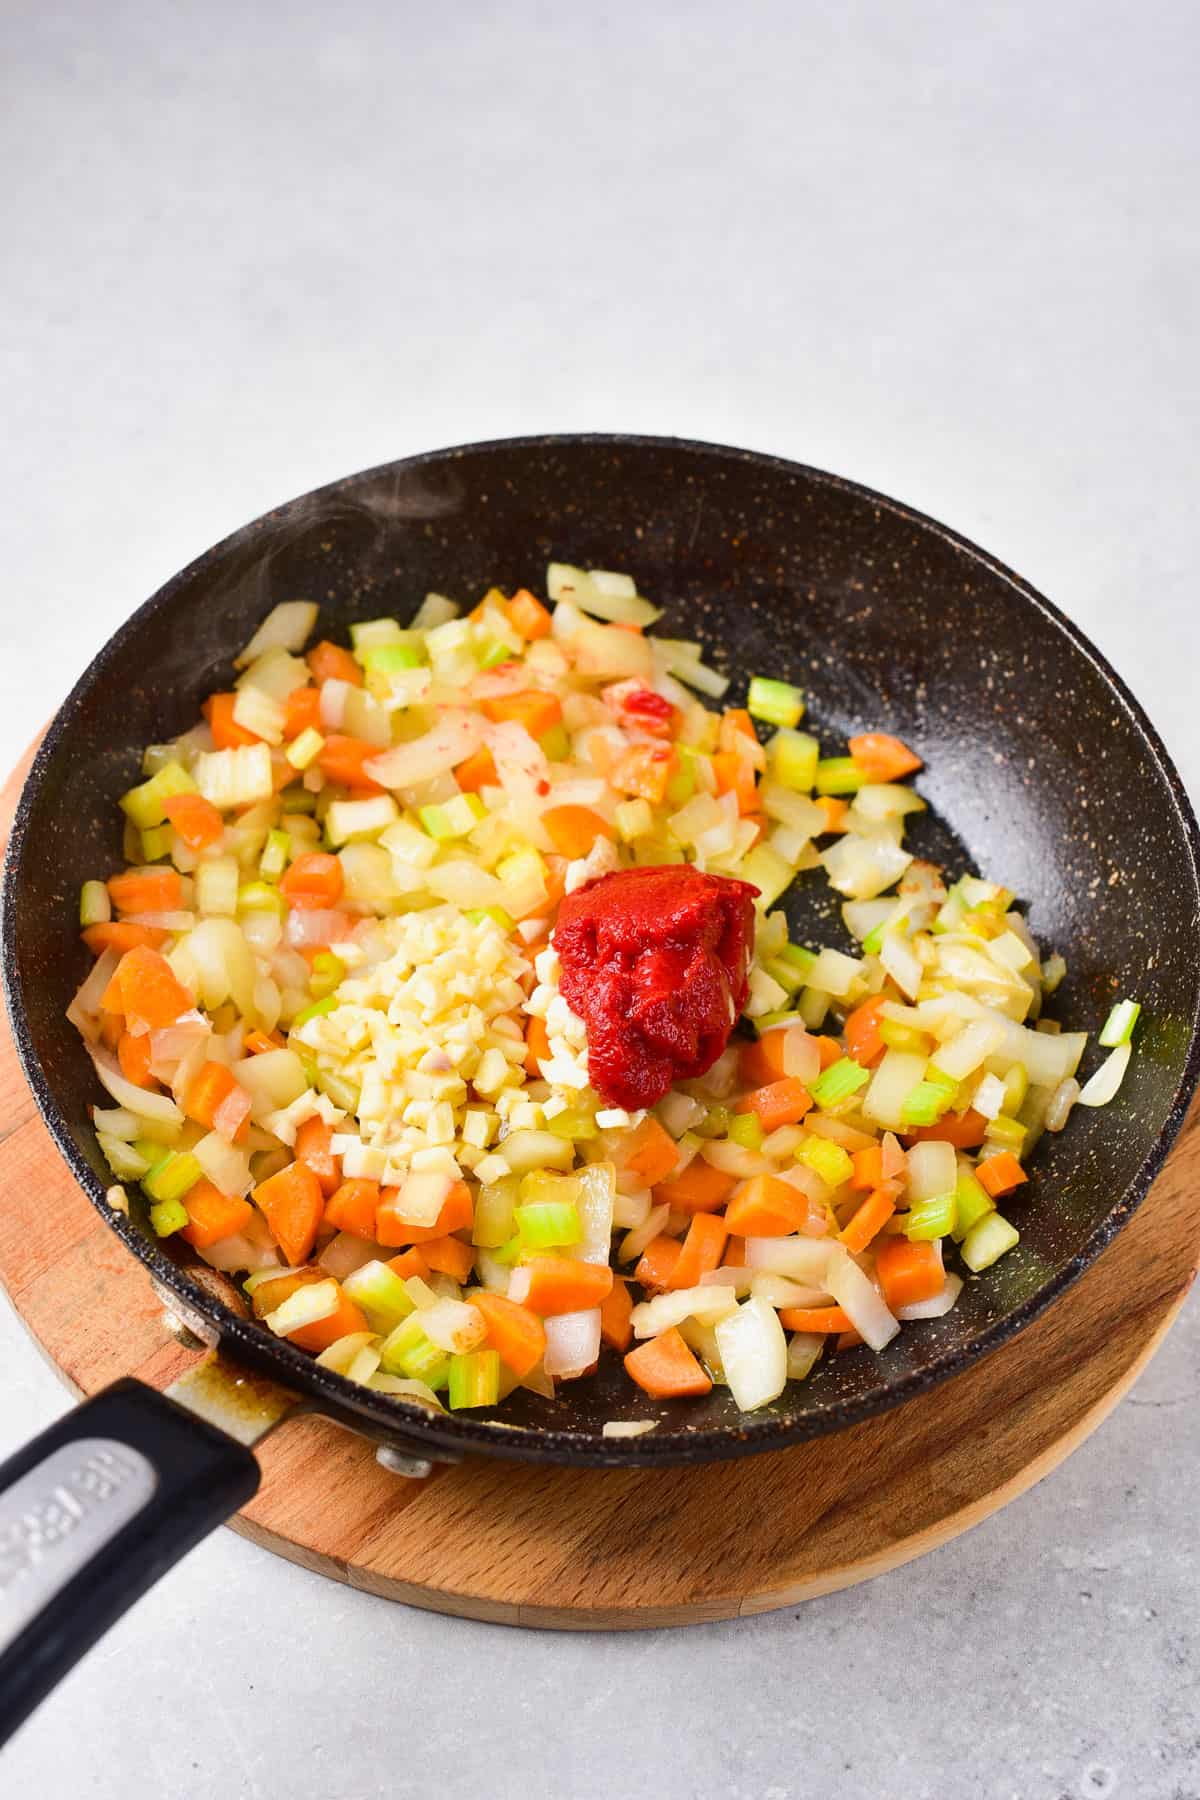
(332, 1016)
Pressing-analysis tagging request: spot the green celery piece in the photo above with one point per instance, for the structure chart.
(839, 775)
(682, 783)
(925, 1104)
(746, 1129)
(790, 978)
(343, 1093)
(474, 1379)
(556, 745)
(156, 843)
(772, 1020)
(1004, 1133)
(508, 1253)
(838, 1082)
(873, 942)
(986, 1242)
(167, 1216)
(802, 959)
(122, 1158)
(714, 1124)
(547, 1224)
(274, 859)
(931, 1219)
(173, 1178)
(776, 702)
(299, 800)
(792, 758)
(1118, 1027)
(328, 971)
(826, 1159)
(381, 1294)
(504, 920)
(144, 805)
(489, 655)
(575, 1125)
(317, 1010)
(95, 907)
(388, 659)
(972, 1203)
(259, 896)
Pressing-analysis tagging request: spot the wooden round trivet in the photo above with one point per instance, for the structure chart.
(573, 1549)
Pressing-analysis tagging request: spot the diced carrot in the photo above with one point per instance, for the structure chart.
(762, 1062)
(456, 1214)
(450, 1256)
(868, 1168)
(478, 771)
(112, 1026)
(814, 1318)
(292, 1204)
(699, 1188)
(615, 1328)
(829, 1050)
(301, 711)
(861, 1031)
(835, 810)
(908, 1272)
(528, 616)
(146, 891)
(331, 662)
(133, 1054)
(537, 1045)
(703, 1248)
(849, 1340)
(409, 1262)
(574, 829)
(665, 1368)
(259, 1041)
(322, 1332)
(516, 1334)
(644, 771)
(351, 1207)
(780, 1103)
(533, 708)
(560, 1284)
(735, 775)
(600, 753)
(148, 989)
(735, 1253)
(650, 1152)
(270, 1294)
(208, 1093)
(341, 759)
(213, 1215)
(735, 723)
(869, 1220)
(766, 1207)
(313, 882)
(227, 733)
(1000, 1174)
(882, 757)
(656, 1264)
(120, 935)
(195, 819)
(964, 1130)
(312, 1147)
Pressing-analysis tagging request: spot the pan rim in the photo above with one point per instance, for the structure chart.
(456, 1433)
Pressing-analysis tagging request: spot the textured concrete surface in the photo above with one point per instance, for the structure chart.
(951, 251)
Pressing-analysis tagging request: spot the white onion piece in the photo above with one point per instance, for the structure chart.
(753, 1354)
(804, 1348)
(848, 1136)
(778, 1291)
(1107, 1079)
(287, 626)
(224, 964)
(315, 926)
(801, 1054)
(305, 1306)
(739, 1281)
(799, 1258)
(936, 1307)
(635, 1241)
(252, 1249)
(456, 736)
(901, 962)
(572, 1343)
(734, 1159)
(172, 1043)
(595, 1204)
(932, 1170)
(84, 1010)
(134, 1099)
(631, 1210)
(334, 695)
(422, 1197)
(970, 1047)
(861, 1302)
(227, 1167)
(453, 1326)
(162, 921)
(1061, 1101)
(627, 1428)
(650, 1317)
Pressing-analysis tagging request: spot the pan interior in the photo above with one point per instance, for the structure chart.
(1039, 772)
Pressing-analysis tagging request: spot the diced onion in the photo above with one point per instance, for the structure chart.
(457, 734)
(859, 1300)
(287, 626)
(650, 1317)
(754, 1354)
(938, 1306)
(1104, 1083)
(134, 1099)
(572, 1343)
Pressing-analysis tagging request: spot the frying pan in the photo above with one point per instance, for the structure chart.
(1041, 769)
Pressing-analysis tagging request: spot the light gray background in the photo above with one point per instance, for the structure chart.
(950, 250)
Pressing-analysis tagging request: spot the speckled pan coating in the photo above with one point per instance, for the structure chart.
(1041, 769)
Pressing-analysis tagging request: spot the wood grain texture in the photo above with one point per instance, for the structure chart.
(583, 1549)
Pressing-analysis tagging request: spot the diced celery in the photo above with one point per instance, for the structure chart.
(305, 749)
(316, 1010)
(838, 1082)
(635, 819)
(235, 777)
(777, 702)
(556, 745)
(790, 978)
(173, 1177)
(545, 1225)
(95, 907)
(217, 887)
(1016, 1086)
(156, 843)
(925, 1103)
(274, 859)
(681, 784)
(371, 633)
(474, 1379)
(1118, 1027)
(1006, 1134)
(348, 820)
(167, 1216)
(381, 1294)
(494, 1205)
(407, 1351)
(746, 1130)
(126, 1163)
(504, 920)
(388, 659)
(986, 1242)
(931, 1219)
(972, 1203)
(327, 971)
(826, 1159)
(905, 1037)
(714, 1124)
(575, 1124)
(792, 758)
(797, 954)
(771, 1021)
(508, 1252)
(839, 775)
(144, 805)
(452, 818)
(154, 1154)
(337, 1088)
(259, 896)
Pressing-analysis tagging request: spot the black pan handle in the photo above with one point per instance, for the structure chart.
(92, 1512)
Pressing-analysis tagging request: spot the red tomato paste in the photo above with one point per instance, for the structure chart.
(656, 963)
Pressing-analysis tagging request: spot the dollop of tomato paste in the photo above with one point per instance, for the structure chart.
(656, 963)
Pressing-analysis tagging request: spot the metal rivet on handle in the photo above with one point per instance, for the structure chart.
(413, 1468)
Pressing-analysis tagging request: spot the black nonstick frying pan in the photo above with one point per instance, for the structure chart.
(1041, 769)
